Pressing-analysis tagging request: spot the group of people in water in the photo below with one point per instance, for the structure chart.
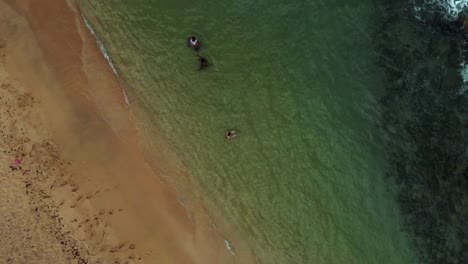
(195, 44)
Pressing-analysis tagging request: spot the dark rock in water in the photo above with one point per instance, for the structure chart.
(426, 121)
(463, 21)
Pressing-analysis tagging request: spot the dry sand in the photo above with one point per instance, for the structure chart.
(83, 192)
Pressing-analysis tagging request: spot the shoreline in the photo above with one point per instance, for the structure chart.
(105, 54)
(188, 194)
(187, 190)
(113, 205)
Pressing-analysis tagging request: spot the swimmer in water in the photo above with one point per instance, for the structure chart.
(193, 42)
(203, 62)
(230, 134)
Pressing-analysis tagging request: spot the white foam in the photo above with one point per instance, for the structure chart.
(229, 247)
(464, 72)
(101, 46)
(464, 75)
(452, 8)
(126, 97)
(105, 54)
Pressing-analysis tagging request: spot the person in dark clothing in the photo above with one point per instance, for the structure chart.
(203, 62)
(230, 134)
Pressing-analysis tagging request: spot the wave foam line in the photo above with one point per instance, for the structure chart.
(105, 54)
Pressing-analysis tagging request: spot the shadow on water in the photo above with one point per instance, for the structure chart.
(426, 115)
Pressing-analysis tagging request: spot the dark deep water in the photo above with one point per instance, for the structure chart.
(426, 110)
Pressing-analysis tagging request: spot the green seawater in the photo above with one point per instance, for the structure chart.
(304, 181)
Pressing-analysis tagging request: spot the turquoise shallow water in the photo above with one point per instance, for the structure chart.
(303, 182)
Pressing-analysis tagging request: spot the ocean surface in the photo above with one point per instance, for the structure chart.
(306, 180)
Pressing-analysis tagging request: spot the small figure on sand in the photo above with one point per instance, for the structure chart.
(193, 42)
(203, 62)
(17, 165)
(230, 134)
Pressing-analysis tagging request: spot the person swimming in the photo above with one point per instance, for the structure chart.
(203, 62)
(230, 134)
(193, 42)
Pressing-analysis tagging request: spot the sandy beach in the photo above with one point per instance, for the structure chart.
(75, 186)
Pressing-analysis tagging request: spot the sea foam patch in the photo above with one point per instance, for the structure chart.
(464, 76)
(451, 8)
(229, 247)
(464, 72)
(454, 7)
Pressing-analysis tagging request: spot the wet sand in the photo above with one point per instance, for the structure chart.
(83, 192)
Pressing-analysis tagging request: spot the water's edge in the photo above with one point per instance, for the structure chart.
(220, 229)
(105, 54)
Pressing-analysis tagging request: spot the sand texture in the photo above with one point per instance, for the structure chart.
(30, 227)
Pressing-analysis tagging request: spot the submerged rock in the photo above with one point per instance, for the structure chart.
(425, 118)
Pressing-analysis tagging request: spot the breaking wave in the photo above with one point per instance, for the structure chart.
(426, 107)
(449, 9)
